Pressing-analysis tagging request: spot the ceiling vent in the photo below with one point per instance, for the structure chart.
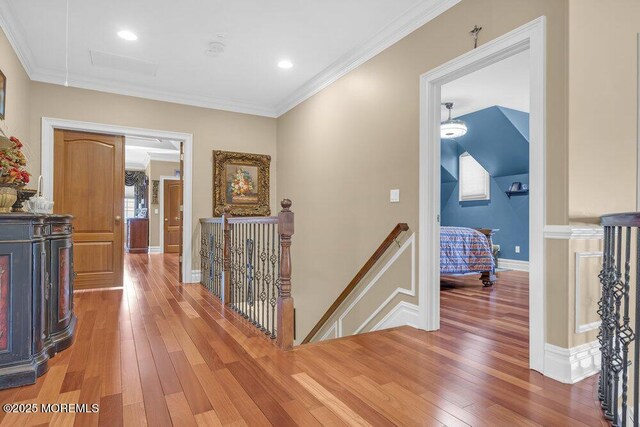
(123, 63)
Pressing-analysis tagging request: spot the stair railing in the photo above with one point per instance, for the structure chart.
(619, 326)
(366, 268)
(246, 263)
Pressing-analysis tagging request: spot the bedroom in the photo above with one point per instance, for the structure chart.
(484, 204)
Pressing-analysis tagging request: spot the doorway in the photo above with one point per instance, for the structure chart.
(529, 37)
(49, 125)
(170, 214)
(83, 162)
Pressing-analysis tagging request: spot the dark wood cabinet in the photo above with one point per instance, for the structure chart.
(36, 294)
(137, 235)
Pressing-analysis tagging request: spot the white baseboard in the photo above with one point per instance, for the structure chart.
(155, 249)
(570, 365)
(196, 275)
(513, 264)
(401, 315)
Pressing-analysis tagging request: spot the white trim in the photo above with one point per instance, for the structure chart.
(531, 36)
(333, 330)
(399, 291)
(48, 126)
(410, 21)
(569, 232)
(154, 250)
(338, 323)
(513, 264)
(583, 327)
(19, 43)
(402, 314)
(164, 157)
(196, 276)
(570, 365)
(163, 178)
(413, 19)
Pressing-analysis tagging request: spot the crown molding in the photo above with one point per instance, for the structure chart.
(11, 29)
(101, 85)
(401, 27)
(410, 21)
(164, 157)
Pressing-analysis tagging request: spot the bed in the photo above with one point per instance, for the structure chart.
(467, 250)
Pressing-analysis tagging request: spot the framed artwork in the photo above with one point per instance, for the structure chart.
(155, 185)
(3, 94)
(241, 181)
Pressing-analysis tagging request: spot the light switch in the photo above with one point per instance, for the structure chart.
(394, 196)
(155, 211)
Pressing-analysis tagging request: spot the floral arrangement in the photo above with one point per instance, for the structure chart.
(12, 163)
(241, 183)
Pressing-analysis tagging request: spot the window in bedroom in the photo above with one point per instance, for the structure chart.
(474, 180)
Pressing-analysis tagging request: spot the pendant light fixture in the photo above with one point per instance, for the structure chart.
(452, 128)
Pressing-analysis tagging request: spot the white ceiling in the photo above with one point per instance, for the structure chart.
(505, 83)
(324, 39)
(138, 152)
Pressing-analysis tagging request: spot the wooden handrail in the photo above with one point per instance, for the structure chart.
(626, 219)
(401, 227)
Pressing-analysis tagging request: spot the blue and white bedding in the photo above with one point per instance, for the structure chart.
(464, 250)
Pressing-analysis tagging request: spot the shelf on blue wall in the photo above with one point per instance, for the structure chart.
(515, 193)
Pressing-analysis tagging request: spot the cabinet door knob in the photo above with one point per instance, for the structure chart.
(118, 219)
(166, 219)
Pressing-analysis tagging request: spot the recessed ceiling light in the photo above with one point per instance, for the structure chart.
(285, 64)
(127, 35)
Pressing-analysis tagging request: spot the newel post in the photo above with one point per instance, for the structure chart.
(226, 257)
(285, 302)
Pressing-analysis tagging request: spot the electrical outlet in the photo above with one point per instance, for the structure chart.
(394, 196)
(517, 249)
(155, 211)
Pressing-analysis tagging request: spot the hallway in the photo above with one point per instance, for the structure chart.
(158, 353)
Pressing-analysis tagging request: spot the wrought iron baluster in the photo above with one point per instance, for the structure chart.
(636, 349)
(265, 274)
(626, 334)
(250, 244)
(275, 258)
(614, 328)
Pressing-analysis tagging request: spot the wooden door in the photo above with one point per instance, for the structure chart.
(89, 184)
(180, 260)
(172, 217)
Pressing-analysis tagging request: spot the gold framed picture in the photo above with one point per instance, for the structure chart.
(241, 181)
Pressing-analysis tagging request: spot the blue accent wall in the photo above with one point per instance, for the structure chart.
(498, 138)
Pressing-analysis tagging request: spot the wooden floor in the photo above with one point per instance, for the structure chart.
(158, 353)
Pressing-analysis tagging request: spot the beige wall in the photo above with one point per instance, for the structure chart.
(211, 129)
(16, 121)
(341, 151)
(155, 170)
(603, 114)
(603, 106)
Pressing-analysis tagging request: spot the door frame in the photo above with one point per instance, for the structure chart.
(164, 178)
(532, 37)
(48, 126)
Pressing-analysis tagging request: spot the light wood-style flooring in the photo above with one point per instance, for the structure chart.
(159, 353)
